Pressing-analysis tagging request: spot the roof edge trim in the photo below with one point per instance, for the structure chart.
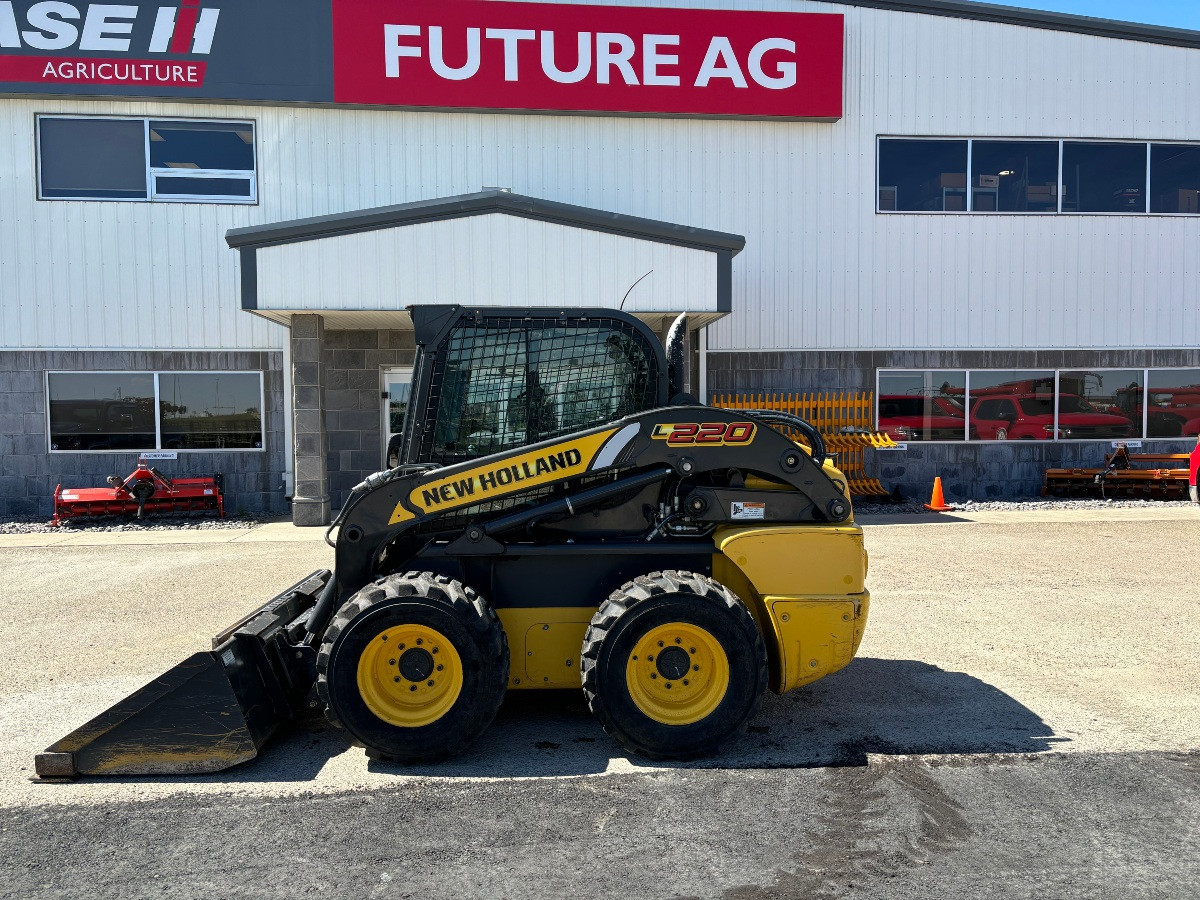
(1036, 18)
(482, 203)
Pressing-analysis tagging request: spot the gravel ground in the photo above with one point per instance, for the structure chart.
(127, 523)
(867, 507)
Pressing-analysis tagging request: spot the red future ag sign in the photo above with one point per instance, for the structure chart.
(538, 56)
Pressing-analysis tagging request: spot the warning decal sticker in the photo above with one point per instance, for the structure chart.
(742, 510)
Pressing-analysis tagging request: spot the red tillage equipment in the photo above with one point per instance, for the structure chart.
(145, 490)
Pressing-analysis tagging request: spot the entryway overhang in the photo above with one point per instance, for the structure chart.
(359, 270)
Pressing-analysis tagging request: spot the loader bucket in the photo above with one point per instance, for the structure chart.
(214, 710)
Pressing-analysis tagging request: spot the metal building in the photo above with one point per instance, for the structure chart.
(214, 215)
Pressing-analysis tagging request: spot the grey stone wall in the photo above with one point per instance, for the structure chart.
(310, 497)
(975, 471)
(353, 403)
(29, 472)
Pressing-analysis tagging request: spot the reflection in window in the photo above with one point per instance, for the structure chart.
(101, 411)
(210, 411)
(1173, 403)
(1014, 176)
(922, 406)
(1175, 178)
(1011, 405)
(1104, 177)
(1093, 404)
(1099, 404)
(917, 175)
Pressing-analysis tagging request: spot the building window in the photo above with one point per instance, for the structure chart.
(1014, 176)
(926, 176)
(1104, 177)
(1038, 405)
(180, 160)
(1175, 178)
(1172, 403)
(98, 411)
(1037, 176)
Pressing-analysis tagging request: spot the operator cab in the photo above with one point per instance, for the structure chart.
(488, 380)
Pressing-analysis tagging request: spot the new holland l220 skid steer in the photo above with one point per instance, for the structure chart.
(562, 517)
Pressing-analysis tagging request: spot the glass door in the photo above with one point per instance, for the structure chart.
(396, 386)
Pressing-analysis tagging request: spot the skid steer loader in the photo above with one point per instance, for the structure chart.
(562, 516)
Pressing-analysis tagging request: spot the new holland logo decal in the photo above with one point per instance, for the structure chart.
(498, 479)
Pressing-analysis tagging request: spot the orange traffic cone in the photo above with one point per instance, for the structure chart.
(938, 501)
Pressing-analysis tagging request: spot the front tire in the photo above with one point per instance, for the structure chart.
(414, 666)
(673, 665)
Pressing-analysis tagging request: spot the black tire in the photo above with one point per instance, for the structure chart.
(422, 602)
(657, 601)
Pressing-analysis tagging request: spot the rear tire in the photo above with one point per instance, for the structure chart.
(414, 666)
(699, 691)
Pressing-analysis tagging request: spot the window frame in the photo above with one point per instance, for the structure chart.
(151, 172)
(1147, 143)
(155, 373)
(1143, 426)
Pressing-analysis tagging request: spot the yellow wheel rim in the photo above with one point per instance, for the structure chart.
(409, 675)
(677, 674)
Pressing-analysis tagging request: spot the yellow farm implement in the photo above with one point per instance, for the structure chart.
(845, 420)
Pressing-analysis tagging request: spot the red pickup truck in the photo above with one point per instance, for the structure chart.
(913, 417)
(1031, 418)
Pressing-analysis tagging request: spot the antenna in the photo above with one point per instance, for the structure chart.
(631, 287)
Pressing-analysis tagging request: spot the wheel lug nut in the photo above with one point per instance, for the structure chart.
(695, 668)
(412, 687)
(679, 640)
(391, 662)
(668, 685)
(430, 682)
(435, 650)
(652, 675)
(660, 643)
(397, 678)
(440, 667)
(401, 647)
(691, 649)
(685, 682)
(420, 641)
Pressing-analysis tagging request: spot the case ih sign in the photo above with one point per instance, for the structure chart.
(463, 54)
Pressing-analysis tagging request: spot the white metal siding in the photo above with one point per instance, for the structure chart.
(489, 260)
(820, 270)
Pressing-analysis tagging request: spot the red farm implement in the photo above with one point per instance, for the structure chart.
(146, 489)
(1150, 476)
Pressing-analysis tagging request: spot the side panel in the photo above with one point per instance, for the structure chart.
(818, 636)
(798, 559)
(544, 645)
(805, 587)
